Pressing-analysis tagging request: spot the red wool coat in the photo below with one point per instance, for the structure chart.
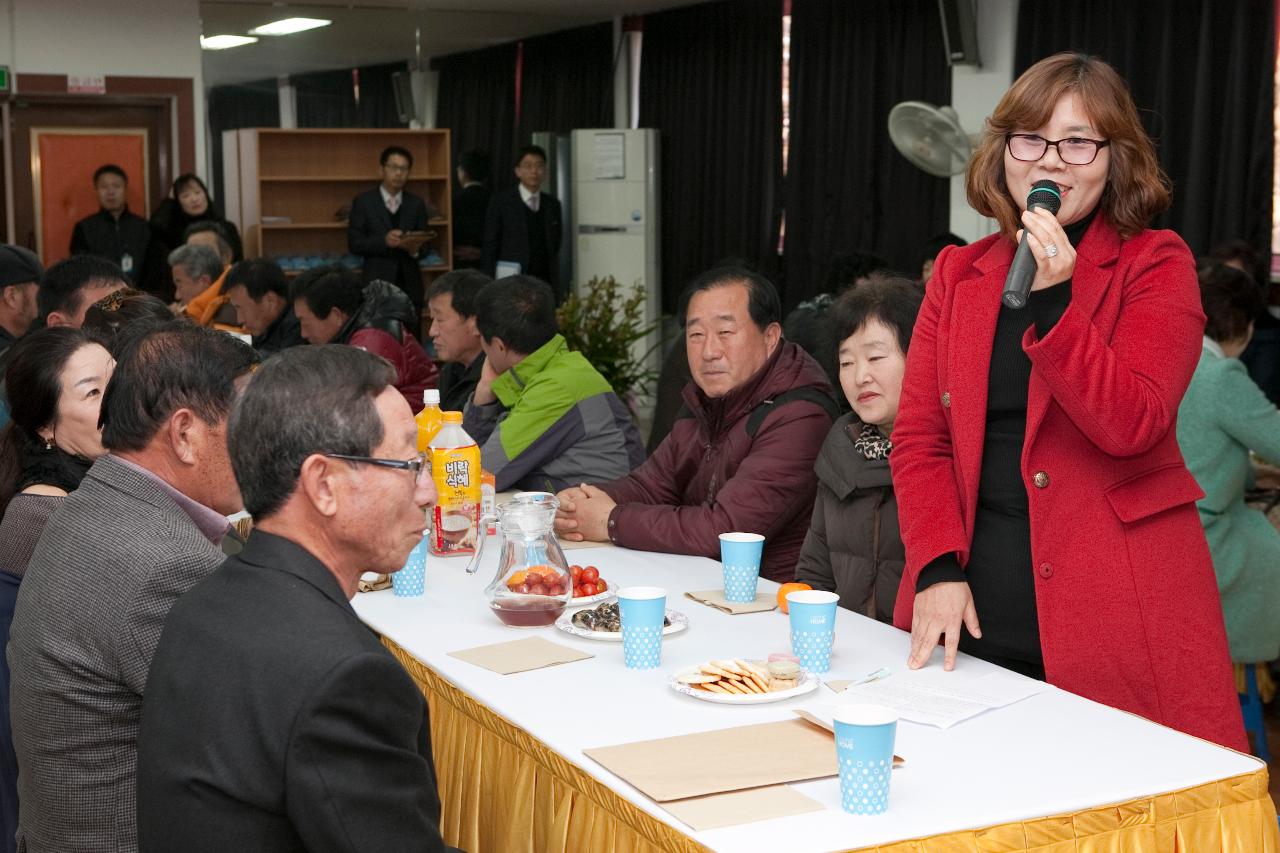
(1125, 590)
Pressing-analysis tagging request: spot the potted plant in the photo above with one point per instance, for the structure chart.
(607, 327)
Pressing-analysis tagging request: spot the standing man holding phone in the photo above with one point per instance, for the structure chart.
(388, 227)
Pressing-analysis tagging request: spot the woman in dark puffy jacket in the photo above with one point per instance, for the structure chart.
(853, 547)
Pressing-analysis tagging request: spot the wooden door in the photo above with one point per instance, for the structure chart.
(63, 160)
(48, 162)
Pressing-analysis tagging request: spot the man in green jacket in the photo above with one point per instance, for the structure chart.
(544, 418)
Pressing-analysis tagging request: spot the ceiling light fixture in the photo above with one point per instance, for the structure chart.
(289, 26)
(224, 41)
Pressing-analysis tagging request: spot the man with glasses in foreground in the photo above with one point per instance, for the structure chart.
(274, 719)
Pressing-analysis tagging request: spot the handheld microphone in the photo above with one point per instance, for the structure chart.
(1018, 283)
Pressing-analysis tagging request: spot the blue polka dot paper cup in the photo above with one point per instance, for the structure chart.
(813, 624)
(412, 579)
(864, 751)
(740, 557)
(643, 609)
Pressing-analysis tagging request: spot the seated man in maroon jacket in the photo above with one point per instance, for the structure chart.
(740, 456)
(334, 308)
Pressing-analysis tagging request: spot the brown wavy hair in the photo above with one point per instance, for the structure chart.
(1137, 188)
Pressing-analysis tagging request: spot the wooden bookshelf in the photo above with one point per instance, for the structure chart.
(290, 191)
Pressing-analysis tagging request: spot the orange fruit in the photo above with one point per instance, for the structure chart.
(794, 586)
(515, 580)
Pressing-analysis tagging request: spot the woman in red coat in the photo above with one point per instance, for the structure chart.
(1049, 521)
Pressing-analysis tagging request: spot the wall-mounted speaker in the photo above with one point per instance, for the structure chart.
(960, 31)
(402, 85)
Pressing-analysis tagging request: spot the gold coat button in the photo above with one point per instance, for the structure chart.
(1041, 479)
(946, 399)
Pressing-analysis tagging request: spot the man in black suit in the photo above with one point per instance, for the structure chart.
(469, 206)
(273, 717)
(524, 225)
(387, 227)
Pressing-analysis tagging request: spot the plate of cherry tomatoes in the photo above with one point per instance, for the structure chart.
(588, 586)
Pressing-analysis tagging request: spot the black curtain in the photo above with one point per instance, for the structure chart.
(711, 84)
(325, 98)
(232, 107)
(476, 101)
(847, 187)
(567, 81)
(328, 98)
(1201, 73)
(377, 107)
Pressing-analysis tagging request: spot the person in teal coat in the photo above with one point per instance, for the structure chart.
(1223, 416)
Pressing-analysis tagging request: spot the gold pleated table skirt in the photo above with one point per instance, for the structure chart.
(504, 791)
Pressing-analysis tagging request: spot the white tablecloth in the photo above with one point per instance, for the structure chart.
(1049, 754)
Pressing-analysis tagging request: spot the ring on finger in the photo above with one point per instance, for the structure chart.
(1051, 251)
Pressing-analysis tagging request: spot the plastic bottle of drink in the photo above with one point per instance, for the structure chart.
(455, 468)
(488, 498)
(430, 419)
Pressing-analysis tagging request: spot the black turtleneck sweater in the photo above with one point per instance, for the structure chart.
(999, 569)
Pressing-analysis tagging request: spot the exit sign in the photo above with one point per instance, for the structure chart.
(6, 83)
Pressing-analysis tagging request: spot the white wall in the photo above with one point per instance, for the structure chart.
(134, 38)
(975, 93)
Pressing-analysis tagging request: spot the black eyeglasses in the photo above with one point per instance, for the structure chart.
(1074, 150)
(418, 464)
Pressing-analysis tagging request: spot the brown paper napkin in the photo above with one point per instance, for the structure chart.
(716, 810)
(566, 545)
(715, 762)
(374, 583)
(715, 598)
(520, 655)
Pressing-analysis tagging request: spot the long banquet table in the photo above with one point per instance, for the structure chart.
(1053, 773)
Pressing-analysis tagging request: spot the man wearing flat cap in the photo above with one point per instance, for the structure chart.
(20, 273)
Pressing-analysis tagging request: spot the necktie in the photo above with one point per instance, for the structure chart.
(393, 204)
(533, 203)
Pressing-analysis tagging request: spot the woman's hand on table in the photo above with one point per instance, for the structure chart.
(939, 611)
(1042, 229)
(584, 514)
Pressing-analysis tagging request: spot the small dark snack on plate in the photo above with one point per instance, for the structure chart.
(604, 617)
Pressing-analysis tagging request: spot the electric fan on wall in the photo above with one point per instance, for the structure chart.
(930, 137)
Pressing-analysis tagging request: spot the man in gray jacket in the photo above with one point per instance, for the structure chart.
(147, 523)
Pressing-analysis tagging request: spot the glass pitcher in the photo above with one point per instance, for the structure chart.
(532, 585)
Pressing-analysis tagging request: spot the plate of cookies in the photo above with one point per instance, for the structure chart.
(739, 681)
